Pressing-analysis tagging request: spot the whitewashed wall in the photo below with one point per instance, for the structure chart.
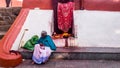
(98, 28)
(37, 21)
(94, 28)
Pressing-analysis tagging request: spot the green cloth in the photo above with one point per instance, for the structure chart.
(31, 43)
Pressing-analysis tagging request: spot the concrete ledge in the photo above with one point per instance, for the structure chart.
(86, 56)
(85, 53)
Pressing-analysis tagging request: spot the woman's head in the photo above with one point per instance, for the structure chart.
(43, 33)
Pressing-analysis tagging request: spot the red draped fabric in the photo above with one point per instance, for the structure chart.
(65, 16)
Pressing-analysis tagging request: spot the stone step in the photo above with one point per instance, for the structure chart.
(3, 23)
(1, 18)
(4, 27)
(71, 64)
(83, 53)
(8, 15)
(2, 34)
(7, 19)
(10, 10)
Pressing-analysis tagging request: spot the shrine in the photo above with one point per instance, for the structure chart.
(72, 24)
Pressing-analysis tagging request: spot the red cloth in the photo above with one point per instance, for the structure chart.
(65, 16)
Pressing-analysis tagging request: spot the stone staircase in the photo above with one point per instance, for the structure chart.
(74, 57)
(7, 17)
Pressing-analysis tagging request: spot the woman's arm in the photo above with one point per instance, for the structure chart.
(51, 43)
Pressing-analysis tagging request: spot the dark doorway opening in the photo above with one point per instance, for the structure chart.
(55, 5)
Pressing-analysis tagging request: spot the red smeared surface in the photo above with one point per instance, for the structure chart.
(7, 59)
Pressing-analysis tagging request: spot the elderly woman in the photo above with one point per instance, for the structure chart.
(43, 49)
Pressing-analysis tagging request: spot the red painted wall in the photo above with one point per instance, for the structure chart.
(14, 3)
(43, 4)
(2, 3)
(77, 4)
(109, 5)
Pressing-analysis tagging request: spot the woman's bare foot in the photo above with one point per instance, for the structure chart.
(45, 62)
(33, 63)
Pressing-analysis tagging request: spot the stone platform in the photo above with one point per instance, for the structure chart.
(83, 53)
(72, 64)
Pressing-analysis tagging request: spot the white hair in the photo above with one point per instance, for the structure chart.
(44, 32)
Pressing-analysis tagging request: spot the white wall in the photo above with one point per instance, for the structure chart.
(37, 21)
(98, 28)
(94, 28)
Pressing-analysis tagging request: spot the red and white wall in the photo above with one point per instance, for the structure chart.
(98, 24)
(106, 5)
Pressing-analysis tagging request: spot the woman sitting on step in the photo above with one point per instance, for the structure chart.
(43, 49)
